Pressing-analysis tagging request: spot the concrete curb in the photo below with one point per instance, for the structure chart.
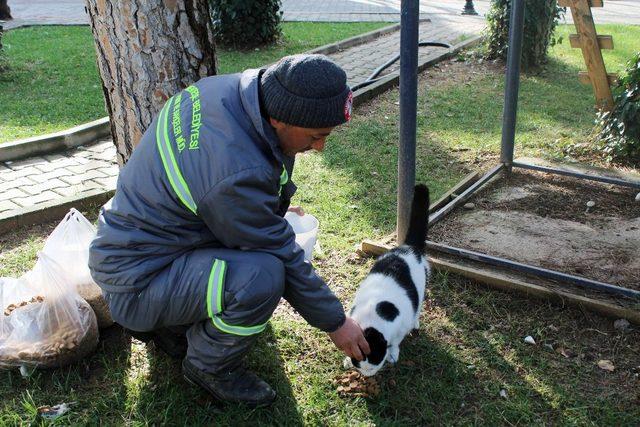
(100, 128)
(54, 210)
(359, 39)
(355, 40)
(387, 82)
(27, 24)
(62, 140)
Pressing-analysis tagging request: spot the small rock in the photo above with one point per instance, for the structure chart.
(606, 365)
(469, 206)
(503, 393)
(24, 371)
(529, 340)
(621, 324)
(53, 412)
(638, 197)
(591, 204)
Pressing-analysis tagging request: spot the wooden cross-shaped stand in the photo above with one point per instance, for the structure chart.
(591, 43)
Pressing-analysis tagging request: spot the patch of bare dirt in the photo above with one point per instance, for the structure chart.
(543, 220)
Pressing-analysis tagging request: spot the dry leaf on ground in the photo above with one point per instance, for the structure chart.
(606, 365)
(563, 351)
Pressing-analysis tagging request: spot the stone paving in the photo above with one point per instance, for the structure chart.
(44, 179)
(360, 61)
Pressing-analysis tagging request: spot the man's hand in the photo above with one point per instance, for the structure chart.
(296, 209)
(350, 340)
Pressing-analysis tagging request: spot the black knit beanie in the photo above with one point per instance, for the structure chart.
(308, 91)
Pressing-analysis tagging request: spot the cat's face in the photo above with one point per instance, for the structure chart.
(374, 361)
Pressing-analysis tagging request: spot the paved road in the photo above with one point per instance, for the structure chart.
(30, 12)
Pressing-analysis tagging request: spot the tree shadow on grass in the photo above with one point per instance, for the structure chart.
(452, 372)
(542, 386)
(95, 385)
(127, 381)
(428, 386)
(167, 399)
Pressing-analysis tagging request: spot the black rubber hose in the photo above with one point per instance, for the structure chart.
(372, 78)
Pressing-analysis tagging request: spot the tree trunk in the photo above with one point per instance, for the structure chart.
(5, 11)
(148, 50)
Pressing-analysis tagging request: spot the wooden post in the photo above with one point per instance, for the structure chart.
(590, 43)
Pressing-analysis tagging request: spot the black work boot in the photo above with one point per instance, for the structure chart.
(235, 386)
(172, 343)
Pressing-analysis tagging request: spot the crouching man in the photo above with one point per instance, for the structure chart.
(195, 236)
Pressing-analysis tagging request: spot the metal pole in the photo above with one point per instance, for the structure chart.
(598, 178)
(536, 271)
(516, 27)
(466, 194)
(409, 14)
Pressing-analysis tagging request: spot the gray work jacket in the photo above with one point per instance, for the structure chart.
(209, 172)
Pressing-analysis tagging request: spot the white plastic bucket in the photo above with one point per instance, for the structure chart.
(306, 229)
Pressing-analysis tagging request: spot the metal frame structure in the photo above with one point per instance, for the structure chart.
(407, 150)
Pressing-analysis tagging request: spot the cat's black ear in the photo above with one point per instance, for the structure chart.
(377, 345)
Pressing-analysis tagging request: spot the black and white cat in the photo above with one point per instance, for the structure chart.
(387, 304)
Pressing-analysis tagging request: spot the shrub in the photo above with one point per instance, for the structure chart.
(540, 19)
(246, 23)
(620, 127)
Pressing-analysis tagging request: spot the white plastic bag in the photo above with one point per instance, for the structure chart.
(44, 322)
(68, 246)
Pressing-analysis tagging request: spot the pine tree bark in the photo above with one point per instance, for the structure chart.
(5, 11)
(147, 51)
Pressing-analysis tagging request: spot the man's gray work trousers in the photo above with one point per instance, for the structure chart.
(226, 296)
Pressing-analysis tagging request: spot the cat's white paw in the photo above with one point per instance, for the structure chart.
(393, 354)
(346, 363)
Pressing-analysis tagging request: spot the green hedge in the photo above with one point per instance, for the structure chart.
(620, 128)
(246, 23)
(540, 19)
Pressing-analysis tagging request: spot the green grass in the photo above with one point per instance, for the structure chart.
(52, 81)
(470, 345)
(625, 42)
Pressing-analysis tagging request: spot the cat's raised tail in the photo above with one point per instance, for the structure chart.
(419, 220)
